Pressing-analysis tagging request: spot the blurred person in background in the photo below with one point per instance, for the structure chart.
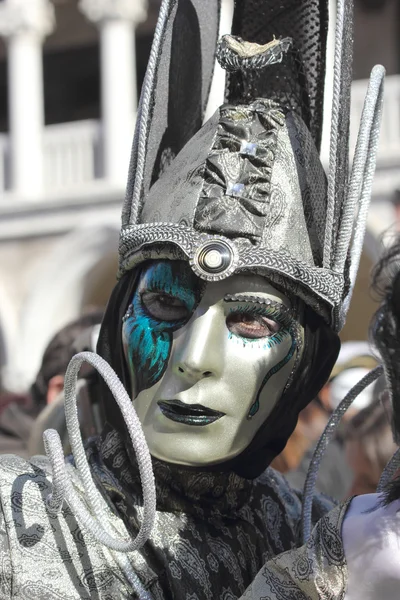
(17, 413)
(355, 360)
(310, 425)
(23, 417)
(49, 381)
(368, 441)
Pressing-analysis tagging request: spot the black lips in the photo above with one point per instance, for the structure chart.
(189, 414)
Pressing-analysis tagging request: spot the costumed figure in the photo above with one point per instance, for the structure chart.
(353, 552)
(236, 268)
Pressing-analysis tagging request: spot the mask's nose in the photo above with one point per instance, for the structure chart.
(199, 351)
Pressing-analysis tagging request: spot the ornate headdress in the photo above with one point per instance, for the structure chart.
(247, 191)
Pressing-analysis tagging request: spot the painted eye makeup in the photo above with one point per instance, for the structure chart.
(259, 318)
(164, 307)
(250, 325)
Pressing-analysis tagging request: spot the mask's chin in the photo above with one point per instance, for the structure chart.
(198, 457)
(181, 433)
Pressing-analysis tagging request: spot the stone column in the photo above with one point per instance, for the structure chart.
(116, 20)
(25, 23)
(217, 92)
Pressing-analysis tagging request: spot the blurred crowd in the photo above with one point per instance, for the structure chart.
(363, 443)
(24, 417)
(352, 463)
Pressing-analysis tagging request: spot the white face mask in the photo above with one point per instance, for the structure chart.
(208, 362)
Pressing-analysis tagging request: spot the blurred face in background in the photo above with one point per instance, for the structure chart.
(369, 447)
(366, 471)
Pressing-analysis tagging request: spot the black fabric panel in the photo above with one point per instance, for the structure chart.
(185, 114)
(183, 78)
(297, 82)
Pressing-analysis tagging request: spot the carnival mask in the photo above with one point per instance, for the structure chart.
(208, 361)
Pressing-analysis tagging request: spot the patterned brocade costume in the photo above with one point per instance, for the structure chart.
(316, 571)
(213, 531)
(352, 554)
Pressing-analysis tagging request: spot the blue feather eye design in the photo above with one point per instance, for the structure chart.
(164, 307)
(163, 302)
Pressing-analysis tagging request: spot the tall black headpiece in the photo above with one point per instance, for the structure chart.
(249, 183)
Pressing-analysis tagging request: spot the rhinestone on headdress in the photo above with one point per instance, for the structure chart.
(235, 188)
(248, 148)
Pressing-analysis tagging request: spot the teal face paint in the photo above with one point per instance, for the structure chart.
(167, 294)
(256, 405)
(289, 327)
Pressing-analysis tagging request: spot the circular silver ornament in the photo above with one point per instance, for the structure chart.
(214, 259)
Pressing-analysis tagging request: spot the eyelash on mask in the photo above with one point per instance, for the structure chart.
(153, 320)
(264, 343)
(156, 290)
(268, 311)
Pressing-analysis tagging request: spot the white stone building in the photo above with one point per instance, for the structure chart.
(70, 70)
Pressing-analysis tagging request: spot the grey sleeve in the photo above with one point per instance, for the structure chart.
(316, 571)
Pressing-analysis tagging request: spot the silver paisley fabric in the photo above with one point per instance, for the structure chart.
(316, 571)
(44, 557)
(212, 534)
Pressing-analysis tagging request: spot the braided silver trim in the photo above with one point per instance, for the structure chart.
(132, 202)
(351, 235)
(326, 284)
(63, 489)
(329, 431)
(387, 475)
